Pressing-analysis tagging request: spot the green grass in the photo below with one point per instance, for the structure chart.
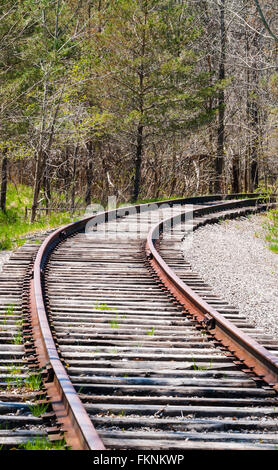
(103, 307)
(33, 382)
(196, 367)
(13, 227)
(10, 310)
(271, 226)
(114, 324)
(14, 370)
(17, 338)
(38, 408)
(42, 443)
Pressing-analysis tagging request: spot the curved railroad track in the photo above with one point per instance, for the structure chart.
(134, 350)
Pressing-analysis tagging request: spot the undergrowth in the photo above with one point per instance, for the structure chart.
(13, 226)
(271, 225)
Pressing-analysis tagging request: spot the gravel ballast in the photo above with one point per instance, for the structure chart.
(233, 258)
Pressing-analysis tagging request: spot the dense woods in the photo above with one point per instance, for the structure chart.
(137, 98)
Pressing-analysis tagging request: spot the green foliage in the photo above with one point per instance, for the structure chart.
(104, 306)
(114, 324)
(79, 72)
(141, 70)
(33, 382)
(196, 367)
(15, 150)
(17, 338)
(272, 230)
(38, 408)
(13, 226)
(42, 443)
(14, 370)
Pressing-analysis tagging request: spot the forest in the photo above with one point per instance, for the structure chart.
(139, 99)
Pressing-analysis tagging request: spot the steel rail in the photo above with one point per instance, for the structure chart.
(69, 410)
(241, 345)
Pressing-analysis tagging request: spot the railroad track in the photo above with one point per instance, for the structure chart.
(129, 360)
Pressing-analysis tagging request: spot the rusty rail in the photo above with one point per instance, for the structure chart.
(247, 350)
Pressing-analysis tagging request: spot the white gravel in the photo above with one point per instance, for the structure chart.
(233, 258)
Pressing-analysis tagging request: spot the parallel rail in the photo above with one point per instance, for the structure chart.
(240, 344)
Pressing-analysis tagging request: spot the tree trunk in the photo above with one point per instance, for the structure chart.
(138, 163)
(41, 157)
(39, 172)
(236, 181)
(4, 181)
(46, 189)
(219, 161)
(140, 128)
(253, 114)
(73, 178)
(89, 174)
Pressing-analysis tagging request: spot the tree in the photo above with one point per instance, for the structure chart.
(149, 83)
(54, 47)
(145, 98)
(265, 22)
(14, 28)
(219, 161)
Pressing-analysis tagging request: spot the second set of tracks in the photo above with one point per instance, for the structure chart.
(130, 360)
